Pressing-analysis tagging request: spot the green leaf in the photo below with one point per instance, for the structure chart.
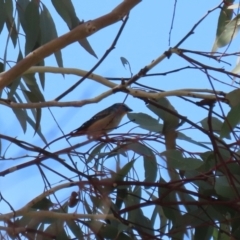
(144, 227)
(145, 121)
(225, 189)
(32, 26)
(216, 125)
(233, 97)
(56, 229)
(123, 172)
(95, 152)
(137, 194)
(228, 33)
(49, 32)
(31, 122)
(224, 17)
(75, 228)
(149, 159)
(121, 195)
(175, 160)
(139, 149)
(11, 26)
(21, 7)
(230, 121)
(42, 75)
(203, 232)
(21, 114)
(9, 7)
(158, 210)
(133, 198)
(182, 136)
(66, 10)
(86, 45)
(167, 195)
(150, 167)
(170, 120)
(15, 83)
(2, 15)
(35, 96)
(87, 207)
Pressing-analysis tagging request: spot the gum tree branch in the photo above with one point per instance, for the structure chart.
(82, 31)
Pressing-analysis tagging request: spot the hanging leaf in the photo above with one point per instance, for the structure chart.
(49, 32)
(231, 121)
(95, 152)
(21, 7)
(224, 17)
(13, 86)
(123, 172)
(233, 97)
(66, 10)
(145, 121)
(21, 114)
(175, 160)
(31, 122)
(35, 96)
(2, 15)
(166, 195)
(170, 120)
(216, 125)
(184, 137)
(149, 160)
(75, 228)
(225, 189)
(228, 33)
(9, 20)
(32, 26)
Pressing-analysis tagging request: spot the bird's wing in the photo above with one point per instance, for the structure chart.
(104, 113)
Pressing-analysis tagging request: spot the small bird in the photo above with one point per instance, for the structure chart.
(103, 122)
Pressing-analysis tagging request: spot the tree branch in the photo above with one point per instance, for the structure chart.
(82, 31)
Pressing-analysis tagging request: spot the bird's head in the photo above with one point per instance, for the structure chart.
(120, 108)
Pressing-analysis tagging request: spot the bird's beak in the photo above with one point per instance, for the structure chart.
(129, 109)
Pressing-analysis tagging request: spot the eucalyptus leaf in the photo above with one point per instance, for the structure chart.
(145, 121)
(184, 137)
(49, 32)
(176, 160)
(75, 228)
(170, 120)
(32, 18)
(67, 12)
(228, 33)
(231, 121)
(2, 15)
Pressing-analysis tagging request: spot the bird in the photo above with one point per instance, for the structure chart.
(103, 122)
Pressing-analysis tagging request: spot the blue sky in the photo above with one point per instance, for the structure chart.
(145, 38)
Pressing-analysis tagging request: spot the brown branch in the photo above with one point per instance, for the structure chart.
(82, 31)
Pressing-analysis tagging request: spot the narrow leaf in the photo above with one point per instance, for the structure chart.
(231, 121)
(2, 15)
(32, 26)
(170, 120)
(145, 121)
(175, 160)
(49, 32)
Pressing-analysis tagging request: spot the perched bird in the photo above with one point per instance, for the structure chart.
(103, 122)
